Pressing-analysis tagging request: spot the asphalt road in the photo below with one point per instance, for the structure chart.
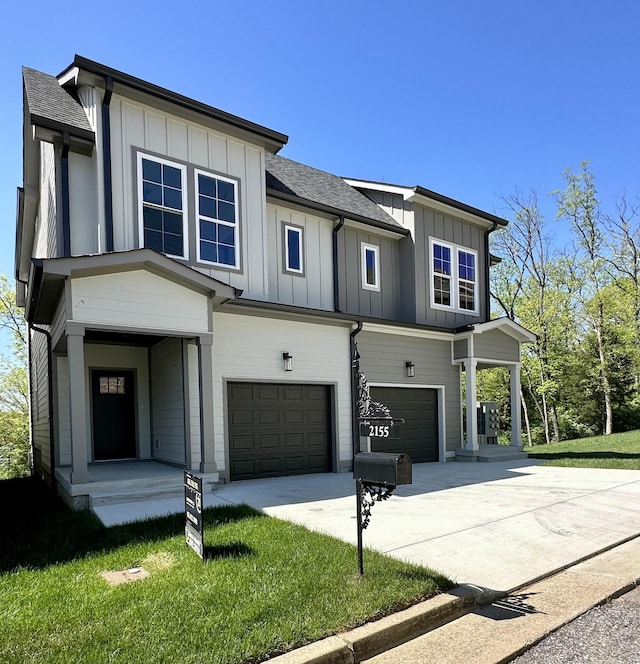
(608, 634)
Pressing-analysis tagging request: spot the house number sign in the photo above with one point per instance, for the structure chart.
(380, 428)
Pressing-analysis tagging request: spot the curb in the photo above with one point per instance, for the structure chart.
(373, 638)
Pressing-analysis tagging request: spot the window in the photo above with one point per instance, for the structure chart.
(217, 219)
(466, 280)
(453, 277)
(293, 249)
(111, 385)
(370, 267)
(162, 206)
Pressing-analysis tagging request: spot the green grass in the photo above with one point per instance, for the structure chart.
(265, 587)
(619, 450)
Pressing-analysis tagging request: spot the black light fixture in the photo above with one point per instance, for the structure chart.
(411, 369)
(287, 358)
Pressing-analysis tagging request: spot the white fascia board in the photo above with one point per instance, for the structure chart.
(69, 76)
(507, 326)
(405, 192)
(408, 332)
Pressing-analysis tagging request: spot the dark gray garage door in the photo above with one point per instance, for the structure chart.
(277, 430)
(419, 434)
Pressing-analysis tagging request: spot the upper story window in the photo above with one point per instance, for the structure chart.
(454, 284)
(163, 210)
(208, 229)
(217, 219)
(293, 249)
(370, 267)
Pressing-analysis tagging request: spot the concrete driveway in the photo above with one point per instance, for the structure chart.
(496, 526)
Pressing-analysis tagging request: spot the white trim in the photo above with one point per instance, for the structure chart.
(454, 278)
(364, 248)
(442, 418)
(405, 192)
(299, 231)
(235, 224)
(492, 361)
(507, 326)
(407, 332)
(185, 205)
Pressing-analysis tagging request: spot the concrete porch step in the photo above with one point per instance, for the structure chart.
(492, 453)
(135, 494)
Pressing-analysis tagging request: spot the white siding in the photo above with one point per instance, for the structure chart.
(82, 205)
(315, 287)
(135, 126)
(138, 299)
(249, 348)
(168, 424)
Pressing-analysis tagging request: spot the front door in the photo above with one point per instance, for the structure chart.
(114, 421)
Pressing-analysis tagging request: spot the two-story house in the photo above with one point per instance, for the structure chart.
(195, 299)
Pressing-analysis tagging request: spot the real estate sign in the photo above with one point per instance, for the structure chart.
(194, 528)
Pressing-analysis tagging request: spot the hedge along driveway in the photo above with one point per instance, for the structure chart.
(266, 586)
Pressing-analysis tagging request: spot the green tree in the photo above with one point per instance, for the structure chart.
(14, 395)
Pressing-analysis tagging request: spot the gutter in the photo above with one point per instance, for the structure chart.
(487, 262)
(106, 162)
(336, 290)
(355, 368)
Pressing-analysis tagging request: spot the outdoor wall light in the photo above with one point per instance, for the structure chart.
(288, 361)
(411, 369)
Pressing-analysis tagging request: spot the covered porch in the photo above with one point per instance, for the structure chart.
(487, 345)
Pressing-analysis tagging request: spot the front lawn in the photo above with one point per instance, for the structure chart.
(619, 450)
(266, 586)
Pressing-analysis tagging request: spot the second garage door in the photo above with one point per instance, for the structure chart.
(278, 429)
(419, 434)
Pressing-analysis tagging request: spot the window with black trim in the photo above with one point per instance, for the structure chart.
(162, 206)
(293, 249)
(370, 266)
(454, 284)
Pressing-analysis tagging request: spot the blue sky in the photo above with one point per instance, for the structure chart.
(470, 98)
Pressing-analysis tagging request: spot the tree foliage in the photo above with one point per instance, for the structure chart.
(14, 395)
(582, 375)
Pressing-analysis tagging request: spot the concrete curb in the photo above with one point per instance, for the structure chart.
(373, 638)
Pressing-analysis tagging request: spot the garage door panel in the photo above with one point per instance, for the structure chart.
(418, 436)
(278, 429)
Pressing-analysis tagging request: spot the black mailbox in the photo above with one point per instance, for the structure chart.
(383, 468)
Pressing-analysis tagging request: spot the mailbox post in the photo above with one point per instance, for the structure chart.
(377, 474)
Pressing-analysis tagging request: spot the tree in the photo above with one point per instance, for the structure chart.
(14, 396)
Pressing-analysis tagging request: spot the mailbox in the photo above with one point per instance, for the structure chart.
(383, 468)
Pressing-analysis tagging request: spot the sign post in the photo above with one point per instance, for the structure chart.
(194, 527)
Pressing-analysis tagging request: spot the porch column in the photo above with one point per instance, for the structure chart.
(77, 399)
(205, 360)
(470, 367)
(516, 414)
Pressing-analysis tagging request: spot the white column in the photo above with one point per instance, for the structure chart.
(77, 398)
(516, 409)
(470, 367)
(205, 356)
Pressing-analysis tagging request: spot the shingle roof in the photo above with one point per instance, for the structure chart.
(310, 184)
(51, 105)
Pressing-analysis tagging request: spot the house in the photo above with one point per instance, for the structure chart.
(195, 299)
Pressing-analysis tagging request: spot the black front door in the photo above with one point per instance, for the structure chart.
(114, 421)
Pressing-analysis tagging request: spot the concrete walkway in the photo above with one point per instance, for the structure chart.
(495, 526)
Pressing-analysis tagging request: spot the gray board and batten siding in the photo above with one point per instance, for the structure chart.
(383, 357)
(496, 345)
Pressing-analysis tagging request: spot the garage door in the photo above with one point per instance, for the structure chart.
(277, 430)
(418, 436)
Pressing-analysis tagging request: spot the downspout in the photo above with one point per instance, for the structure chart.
(52, 449)
(66, 216)
(106, 163)
(355, 368)
(487, 259)
(336, 290)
